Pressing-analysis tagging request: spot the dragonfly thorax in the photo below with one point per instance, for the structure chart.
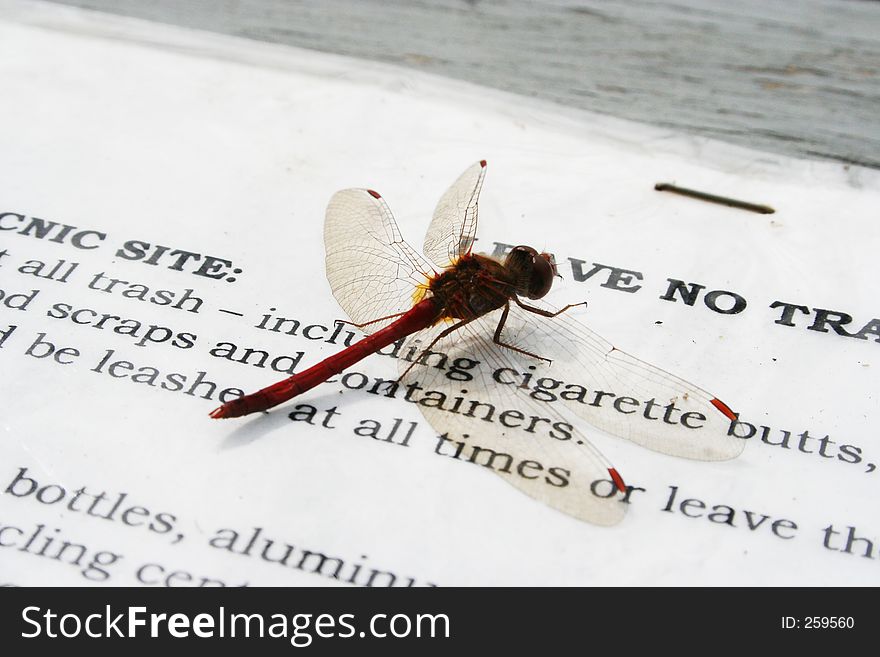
(477, 284)
(473, 286)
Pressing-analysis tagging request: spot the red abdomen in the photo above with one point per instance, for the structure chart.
(420, 316)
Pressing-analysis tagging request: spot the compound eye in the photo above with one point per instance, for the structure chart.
(543, 271)
(534, 271)
(552, 260)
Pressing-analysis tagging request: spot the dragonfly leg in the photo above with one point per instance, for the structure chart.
(442, 335)
(372, 321)
(547, 313)
(497, 337)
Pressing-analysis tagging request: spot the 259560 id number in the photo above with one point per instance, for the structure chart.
(818, 623)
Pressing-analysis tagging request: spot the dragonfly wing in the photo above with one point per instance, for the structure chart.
(501, 428)
(615, 391)
(372, 271)
(454, 225)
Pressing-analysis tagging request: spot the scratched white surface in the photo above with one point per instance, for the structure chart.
(800, 78)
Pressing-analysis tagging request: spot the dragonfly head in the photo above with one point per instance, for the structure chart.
(533, 271)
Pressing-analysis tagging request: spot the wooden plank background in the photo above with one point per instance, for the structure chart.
(800, 78)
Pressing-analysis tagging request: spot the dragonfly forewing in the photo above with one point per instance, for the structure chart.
(454, 224)
(372, 271)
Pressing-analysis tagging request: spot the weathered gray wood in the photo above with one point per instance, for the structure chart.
(800, 78)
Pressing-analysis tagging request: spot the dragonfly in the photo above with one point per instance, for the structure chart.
(494, 369)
